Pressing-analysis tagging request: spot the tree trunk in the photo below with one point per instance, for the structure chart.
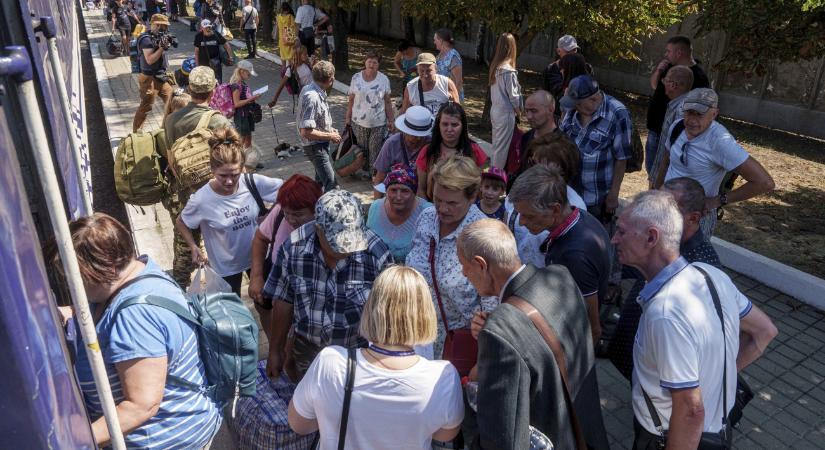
(182, 10)
(228, 7)
(481, 44)
(409, 30)
(266, 19)
(340, 29)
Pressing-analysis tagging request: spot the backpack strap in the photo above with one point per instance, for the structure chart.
(205, 119)
(677, 129)
(253, 189)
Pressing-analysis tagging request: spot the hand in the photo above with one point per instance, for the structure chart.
(197, 256)
(334, 136)
(391, 125)
(66, 313)
(611, 203)
(473, 375)
(271, 104)
(256, 287)
(275, 363)
(229, 60)
(663, 65)
(256, 97)
(479, 319)
(711, 203)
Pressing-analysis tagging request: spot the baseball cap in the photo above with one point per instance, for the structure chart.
(338, 214)
(417, 121)
(425, 58)
(580, 88)
(494, 173)
(567, 43)
(206, 23)
(700, 100)
(159, 19)
(247, 66)
(202, 80)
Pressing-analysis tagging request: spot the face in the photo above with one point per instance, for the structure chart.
(227, 177)
(696, 123)
(491, 190)
(450, 127)
(371, 65)
(438, 42)
(588, 106)
(298, 217)
(561, 52)
(534, 220)
(690, 221)
(538, 114)
(451, 205)
(157, 28)
(208, 31)
(630, 242)
(413, 142)
(426, 72)
(245, 75)
(477, 273)
(400, 197)
(672, 53)
(671, 88)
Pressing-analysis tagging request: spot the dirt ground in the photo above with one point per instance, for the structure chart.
(787, 225)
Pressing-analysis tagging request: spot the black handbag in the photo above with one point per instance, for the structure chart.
(256, 112)
(720, 440)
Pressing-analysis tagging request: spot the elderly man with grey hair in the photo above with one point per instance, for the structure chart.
(683, 385)
(533, 392)
(577, 240)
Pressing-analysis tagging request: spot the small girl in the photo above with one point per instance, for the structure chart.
(493, 189)
(301, 65)
(243, 99)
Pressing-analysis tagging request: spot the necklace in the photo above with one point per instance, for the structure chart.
(386, 352)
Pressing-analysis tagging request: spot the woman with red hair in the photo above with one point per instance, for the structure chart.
(295, 206)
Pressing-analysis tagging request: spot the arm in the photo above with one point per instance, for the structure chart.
(390, 111)
(405, 103)
(756, 331)
(278, 92)
(446, 434)
(282, 315)
(143, 381)
(422, 183)
(396, 61)
(660, 176)
(457, 75)
(592, 303)
(152, 56)
(300, 424)
(757, 181)
(612, 200)
(453, 92)
(236, 99)
(228, 51)
(256, 274)
(657, 73)
(687, 419)
(184, 231)
(350, 103)
(314, 134)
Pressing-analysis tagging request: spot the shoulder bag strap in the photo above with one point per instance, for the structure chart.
(557, 349)
(342, 432)
(250, 184)
(435, 285)
(718, 305)
(421, 93)
(657, 422)
(278, 219)
(246, 21)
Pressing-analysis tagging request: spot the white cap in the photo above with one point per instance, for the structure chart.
(247, 66)
(568, 43)
(206, 23)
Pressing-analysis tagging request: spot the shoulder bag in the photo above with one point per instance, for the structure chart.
(552, 341)
(720, 440)
(460, 347)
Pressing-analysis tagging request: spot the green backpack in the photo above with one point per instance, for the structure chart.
(227, 341)
(139, 176)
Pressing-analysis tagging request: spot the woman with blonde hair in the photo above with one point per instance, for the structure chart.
(300, 64)
(456, 182)
(398, 399)
(505, 97)
(226, 210)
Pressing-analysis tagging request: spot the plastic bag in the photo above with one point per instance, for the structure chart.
(207, 281)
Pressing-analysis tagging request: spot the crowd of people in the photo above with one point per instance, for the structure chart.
(472, 269)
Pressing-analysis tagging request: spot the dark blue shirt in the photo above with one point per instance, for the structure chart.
(583, 250)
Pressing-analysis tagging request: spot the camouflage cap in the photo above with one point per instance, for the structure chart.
(159, 19)
(338, 213)
(700, 100)
(202, 80)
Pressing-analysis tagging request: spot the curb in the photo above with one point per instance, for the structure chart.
(793, 282)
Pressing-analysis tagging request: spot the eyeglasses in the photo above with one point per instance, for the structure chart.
(684, 156)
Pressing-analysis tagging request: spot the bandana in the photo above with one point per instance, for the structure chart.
(402, 174)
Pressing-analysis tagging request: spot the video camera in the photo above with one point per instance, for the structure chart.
(164, 40)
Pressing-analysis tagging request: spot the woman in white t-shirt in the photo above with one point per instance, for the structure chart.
(399, 400)
(225, 210)
(370, 110)
(300, 63)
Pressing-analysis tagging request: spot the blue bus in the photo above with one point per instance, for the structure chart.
(40, 404)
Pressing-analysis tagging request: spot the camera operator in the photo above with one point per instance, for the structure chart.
(207, 49)
(153, 80)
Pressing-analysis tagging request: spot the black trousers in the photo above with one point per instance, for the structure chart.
(251, 43)
(235, 281)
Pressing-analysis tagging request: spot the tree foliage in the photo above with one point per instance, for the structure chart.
(763, 32)
(611, 28)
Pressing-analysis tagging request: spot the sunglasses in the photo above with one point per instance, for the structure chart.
(683, 158)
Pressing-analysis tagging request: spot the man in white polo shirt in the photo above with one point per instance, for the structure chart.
(680, 347)
(706, 151)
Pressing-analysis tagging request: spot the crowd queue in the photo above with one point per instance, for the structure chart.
(466, 271)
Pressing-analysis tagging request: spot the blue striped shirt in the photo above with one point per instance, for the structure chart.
(186, 419)
(604, 140)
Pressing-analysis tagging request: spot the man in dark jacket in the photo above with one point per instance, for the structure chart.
(532, 392)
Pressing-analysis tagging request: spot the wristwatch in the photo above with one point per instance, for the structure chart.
(723, 200)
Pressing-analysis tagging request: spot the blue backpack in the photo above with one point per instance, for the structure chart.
(227, 341)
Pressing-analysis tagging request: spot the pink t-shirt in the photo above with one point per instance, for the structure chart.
(478, 155)
(283, 230)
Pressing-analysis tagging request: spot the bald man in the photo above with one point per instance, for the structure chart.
(540, 110)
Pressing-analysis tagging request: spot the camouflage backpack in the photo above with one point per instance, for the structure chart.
(138, 170)
(189, 155)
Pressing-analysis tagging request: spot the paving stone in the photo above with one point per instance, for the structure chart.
(814, 365)
(797, 426)
(806, 410)
(808, 316)
(792, 354)
(805, 444)
(804, 344)
(744, 283)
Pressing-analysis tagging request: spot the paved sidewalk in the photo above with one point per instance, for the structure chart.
(789, 408)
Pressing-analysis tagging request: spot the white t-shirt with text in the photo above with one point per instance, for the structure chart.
(397, 409)
(228, 222)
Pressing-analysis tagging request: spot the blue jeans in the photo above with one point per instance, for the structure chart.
(650, 149)
(318, 155)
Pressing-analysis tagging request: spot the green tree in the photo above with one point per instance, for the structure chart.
(763, 32)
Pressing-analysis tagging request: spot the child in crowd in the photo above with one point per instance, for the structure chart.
(491, 195)
(300, 62)
(243, 99)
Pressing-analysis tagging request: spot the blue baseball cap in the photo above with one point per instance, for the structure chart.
(580, 88)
